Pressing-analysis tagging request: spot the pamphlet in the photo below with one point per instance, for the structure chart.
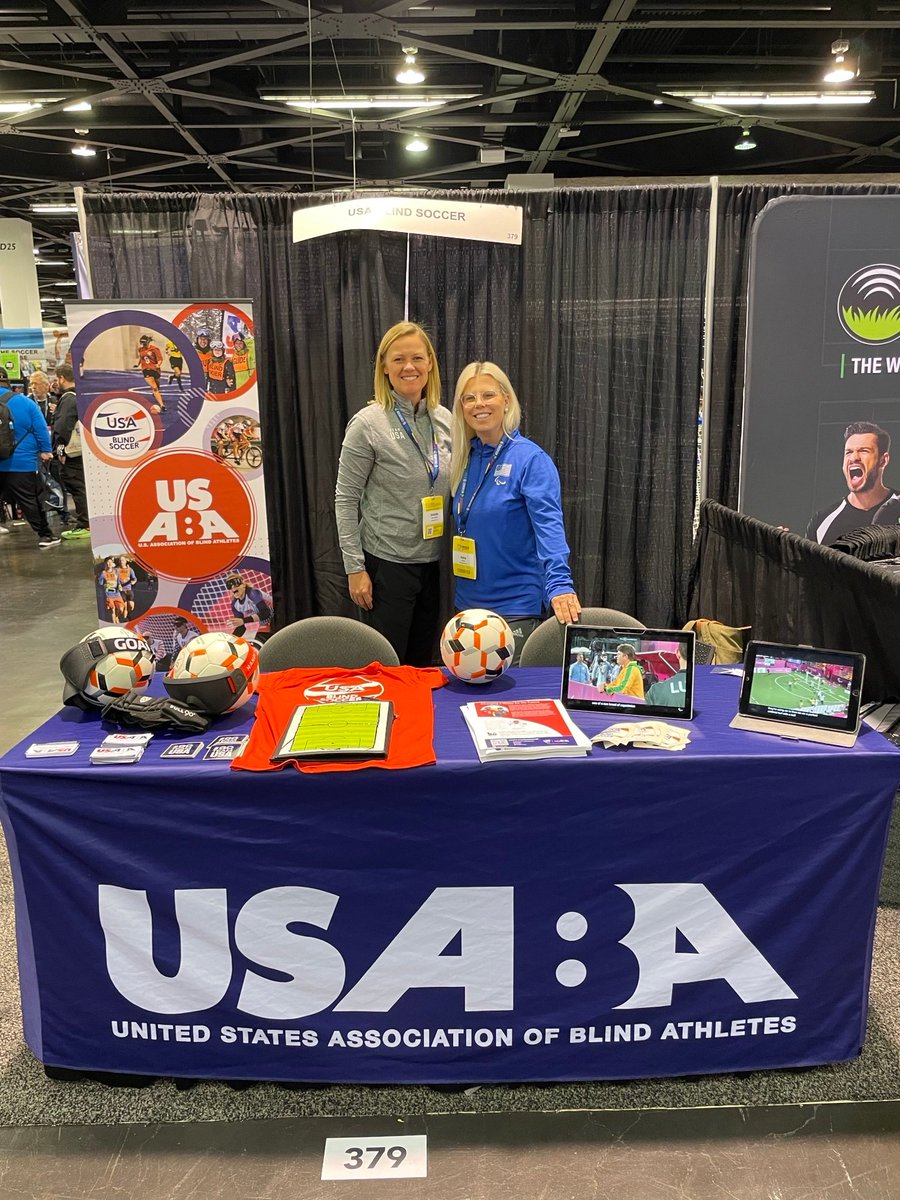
(523, 729)
(353, 730)
(643, 735)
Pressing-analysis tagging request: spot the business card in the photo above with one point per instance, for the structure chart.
(126, 739)
(182, 750)
(50, 749)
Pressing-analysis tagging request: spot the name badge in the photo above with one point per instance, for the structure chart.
(432, 517)
(464, 557)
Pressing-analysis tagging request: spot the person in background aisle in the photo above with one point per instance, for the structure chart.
(39, 391)
(510, 553)
(67, 446)
(391, 496)
(42, 394)
(19, 479)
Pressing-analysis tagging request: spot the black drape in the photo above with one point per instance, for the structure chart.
(738, 207)
(794, 591)
(597, 318)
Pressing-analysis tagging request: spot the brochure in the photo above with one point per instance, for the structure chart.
(355, 729)
(523, 729)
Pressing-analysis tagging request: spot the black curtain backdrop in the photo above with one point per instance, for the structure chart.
(794, 591)
(738, 207)
(597, 317)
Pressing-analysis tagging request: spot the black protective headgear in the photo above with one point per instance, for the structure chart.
(76, 664)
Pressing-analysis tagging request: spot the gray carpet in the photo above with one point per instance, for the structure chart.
(27, 1097)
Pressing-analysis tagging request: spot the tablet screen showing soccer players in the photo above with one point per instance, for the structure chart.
(620, 670)
(808, 689)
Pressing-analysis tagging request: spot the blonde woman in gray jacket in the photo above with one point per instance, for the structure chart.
(392, 492)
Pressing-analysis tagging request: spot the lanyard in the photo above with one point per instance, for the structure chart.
(434, 469)
(462, 517)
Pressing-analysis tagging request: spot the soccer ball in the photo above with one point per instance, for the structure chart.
(107, 663)
(214, 673)
(477, 645)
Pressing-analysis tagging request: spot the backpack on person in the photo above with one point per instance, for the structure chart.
(8, 441)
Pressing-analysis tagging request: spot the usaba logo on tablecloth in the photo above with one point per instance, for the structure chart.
(173, 458)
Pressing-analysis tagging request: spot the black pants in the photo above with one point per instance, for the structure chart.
(406, 600)
(21, 487)
(72, 476)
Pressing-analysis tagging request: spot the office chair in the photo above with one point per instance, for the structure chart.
(326, 642)
(544, 647)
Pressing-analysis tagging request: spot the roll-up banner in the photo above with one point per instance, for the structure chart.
(173, 458)
(822, 394)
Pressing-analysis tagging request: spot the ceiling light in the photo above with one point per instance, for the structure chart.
(53, 262)
(336, 103)
(843, 66)
(84, 151)
(746, 141)
(565, 132)
(657, 101)
(80, 106)
(783, 99)
(410, 72)
(66, 283)
(18, 106)
(417, 145)
(54, 208)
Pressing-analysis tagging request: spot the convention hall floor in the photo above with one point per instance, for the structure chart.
(832, 1151)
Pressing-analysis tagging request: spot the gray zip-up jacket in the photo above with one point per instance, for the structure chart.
(381, 480)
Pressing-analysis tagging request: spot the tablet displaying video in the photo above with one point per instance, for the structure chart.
(803, 686)
(645, 671)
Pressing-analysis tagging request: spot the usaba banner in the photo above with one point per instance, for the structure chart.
(822, 392)
(167, 396)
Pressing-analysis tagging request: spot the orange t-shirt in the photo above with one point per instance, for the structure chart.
(407, 688)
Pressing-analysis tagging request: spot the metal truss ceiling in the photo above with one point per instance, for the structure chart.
(572, 89)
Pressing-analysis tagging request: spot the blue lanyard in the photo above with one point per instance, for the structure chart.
(434, 469)
(462, 517)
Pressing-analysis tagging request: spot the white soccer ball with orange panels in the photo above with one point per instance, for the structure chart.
(214, 658)
(477, 645)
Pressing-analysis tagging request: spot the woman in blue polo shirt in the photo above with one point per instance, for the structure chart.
(510, 553)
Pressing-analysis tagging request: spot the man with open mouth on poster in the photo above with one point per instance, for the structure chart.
(867, 452)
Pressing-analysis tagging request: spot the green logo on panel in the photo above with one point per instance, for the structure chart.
(869, 304)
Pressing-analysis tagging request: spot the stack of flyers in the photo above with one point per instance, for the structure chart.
(113, 755)
(644, 735)
(523, 729)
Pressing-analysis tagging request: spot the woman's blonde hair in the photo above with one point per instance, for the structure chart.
(461, 434)
(382, 391)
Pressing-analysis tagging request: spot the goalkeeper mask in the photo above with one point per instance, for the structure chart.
(215, 693)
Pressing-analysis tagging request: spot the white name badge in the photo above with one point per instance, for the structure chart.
(464, 563)
(376, 1157)
(432, 517)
